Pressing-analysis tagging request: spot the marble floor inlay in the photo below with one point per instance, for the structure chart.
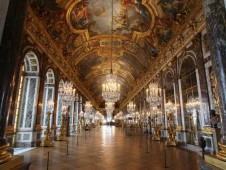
(108, 148)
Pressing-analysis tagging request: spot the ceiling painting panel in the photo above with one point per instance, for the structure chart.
(96, 17)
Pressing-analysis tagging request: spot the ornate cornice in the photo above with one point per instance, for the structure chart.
(194, 24)
(40, 36)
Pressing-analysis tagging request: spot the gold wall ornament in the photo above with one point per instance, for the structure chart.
(171, 140)
(48, 134)
(214, 87)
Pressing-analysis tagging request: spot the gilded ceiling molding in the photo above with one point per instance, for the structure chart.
(195, 24)
(122, 75)
(37, 32)
(90, 46)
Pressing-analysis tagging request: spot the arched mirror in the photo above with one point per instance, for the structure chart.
(190, 99)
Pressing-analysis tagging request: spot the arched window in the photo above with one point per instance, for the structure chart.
(48, 95)
(27, 98)
(59, 105)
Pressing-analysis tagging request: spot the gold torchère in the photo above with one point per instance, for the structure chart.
(62, 136)
(156, 135)
(171, 141)
(5, 156)
(79, 126)
(48, 134)
(222, 153)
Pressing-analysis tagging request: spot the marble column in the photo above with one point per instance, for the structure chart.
(176, 93)
(38, 127)
(56, 89)
(216, 27)
(9, 56)
(76, 113)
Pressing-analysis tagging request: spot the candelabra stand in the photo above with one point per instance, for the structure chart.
(192, 131)
(171, 141)
(156, 135)
(62, 136)
(79, 126)
(48, 134)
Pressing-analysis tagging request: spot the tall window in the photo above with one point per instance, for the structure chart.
(28, 102)
(48, 95)
(59, 105)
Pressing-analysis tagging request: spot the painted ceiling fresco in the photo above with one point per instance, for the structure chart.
(96, 17)
(82, 31)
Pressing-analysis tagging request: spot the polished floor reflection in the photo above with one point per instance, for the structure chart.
(108, 148)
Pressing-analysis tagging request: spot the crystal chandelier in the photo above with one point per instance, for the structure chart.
(110, 107)
(193, 107)
(111, 89)
(170, 107)
(50, 105)
(193, 104)
(88, 107)
(153, 94)
(131, 107)
(67, 93)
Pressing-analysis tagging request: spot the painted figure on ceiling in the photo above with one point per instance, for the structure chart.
(122, 18)
(163, 29)
(80, 15)
(138, 20)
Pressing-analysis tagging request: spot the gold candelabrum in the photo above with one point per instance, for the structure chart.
(5, 155)
(62, 136)
(79, 126)
(192, 131)
(171, 141)
(222, 153)
(156, 135)
(47, 142)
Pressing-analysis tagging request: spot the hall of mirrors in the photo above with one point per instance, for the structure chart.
(166, 79)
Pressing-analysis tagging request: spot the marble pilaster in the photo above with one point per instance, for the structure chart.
(216, 27)
(9, 57)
